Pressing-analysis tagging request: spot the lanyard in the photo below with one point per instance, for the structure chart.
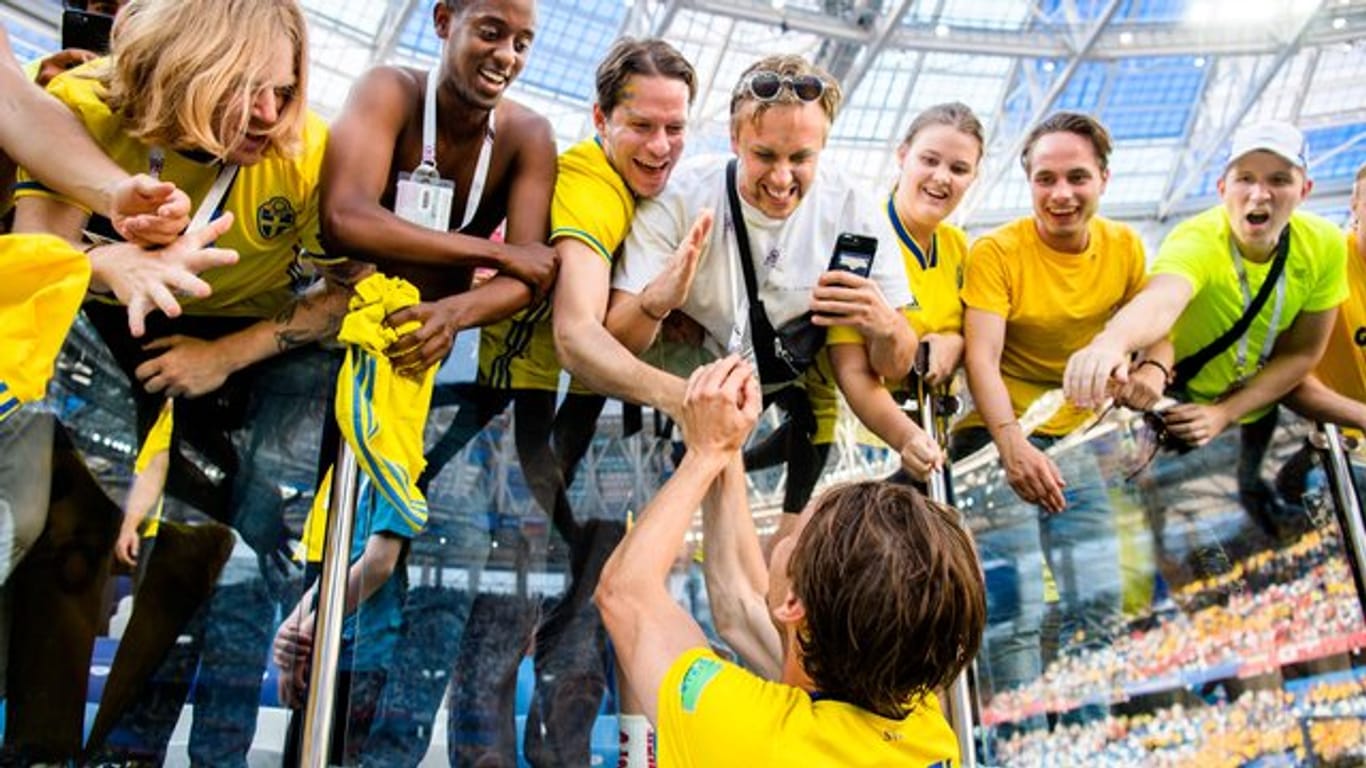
(214, 198)
(927, 260)
(481, 169)
(739, 333)
(1240, 364)
(156, 162)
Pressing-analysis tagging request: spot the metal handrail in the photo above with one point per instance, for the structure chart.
(1348, 508)
(327, 640)
(960, 693)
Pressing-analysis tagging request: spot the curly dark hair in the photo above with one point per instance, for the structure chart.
(894, 596)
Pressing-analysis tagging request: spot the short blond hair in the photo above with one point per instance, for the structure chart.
(175, 66)
(783, 65)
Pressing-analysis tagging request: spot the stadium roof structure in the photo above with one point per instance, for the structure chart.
(1170, 78)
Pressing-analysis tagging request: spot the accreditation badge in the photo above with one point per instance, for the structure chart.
(424, 198)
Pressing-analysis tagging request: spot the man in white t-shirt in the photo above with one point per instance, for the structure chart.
(793, 209)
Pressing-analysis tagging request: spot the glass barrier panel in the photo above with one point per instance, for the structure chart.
(1191, 608)
(1185, 607)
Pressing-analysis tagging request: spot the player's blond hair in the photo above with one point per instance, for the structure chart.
(176, 66)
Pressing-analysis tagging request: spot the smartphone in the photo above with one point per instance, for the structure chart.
(854, 253)
(85, 30)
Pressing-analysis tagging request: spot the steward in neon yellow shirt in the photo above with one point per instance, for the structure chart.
(1208, 270)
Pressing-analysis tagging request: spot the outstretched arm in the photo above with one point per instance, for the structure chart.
(1031, 474)
(736, 575)
(1144, 321)
(191, 367)
(140, 279)
(634, 319)
(32, 123)
(1297, 351)
(875, 407)
(1313, 399)
(585, 346)
(648, 629)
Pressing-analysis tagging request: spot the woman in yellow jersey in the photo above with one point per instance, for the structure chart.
(938, 159)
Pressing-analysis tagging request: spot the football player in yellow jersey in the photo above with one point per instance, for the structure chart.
(240, 359)
(855, 656)
(1036, 289)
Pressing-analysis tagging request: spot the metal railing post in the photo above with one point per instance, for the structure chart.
(960, 691)
(322, 678)
(1348, 509)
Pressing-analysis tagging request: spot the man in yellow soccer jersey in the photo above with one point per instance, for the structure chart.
(226, 120)
(1035, 289)
(856, 655)
(1336, 392)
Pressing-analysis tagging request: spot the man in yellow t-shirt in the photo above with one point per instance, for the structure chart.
(854, 668)
(1036, 290)
(1336, 393)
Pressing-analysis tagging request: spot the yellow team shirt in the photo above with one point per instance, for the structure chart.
(157, 442)
(1053, 304)
(1199, 251)
(274, 201)
(1343, 367)
(593, 205)
(713, 713)
(936, 276)
(44, 283)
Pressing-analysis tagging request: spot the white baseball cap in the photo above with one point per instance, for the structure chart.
(1274, 136)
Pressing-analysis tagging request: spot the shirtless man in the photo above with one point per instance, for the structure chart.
(500, 157)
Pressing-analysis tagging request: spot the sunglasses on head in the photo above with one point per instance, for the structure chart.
(765, 86)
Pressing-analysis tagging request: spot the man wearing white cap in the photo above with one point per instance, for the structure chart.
(1208, 275)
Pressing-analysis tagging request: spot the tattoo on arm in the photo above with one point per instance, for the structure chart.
(312, 317)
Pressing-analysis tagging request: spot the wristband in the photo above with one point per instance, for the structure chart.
(1166, 372)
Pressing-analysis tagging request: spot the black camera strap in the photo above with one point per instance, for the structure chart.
(1190, 367)
(772, 369)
